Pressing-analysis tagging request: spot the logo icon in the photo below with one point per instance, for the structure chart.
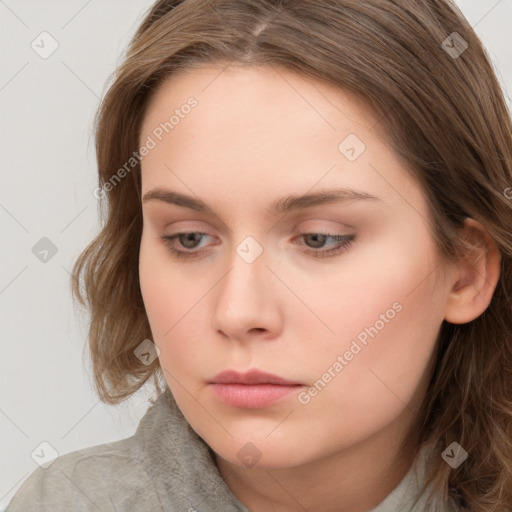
(147, 352)
(249, 454)
(44, 455)
(454, 455)
(455, 45)
(44, 250)
(351, 147)
(44, 45)
(249, 249)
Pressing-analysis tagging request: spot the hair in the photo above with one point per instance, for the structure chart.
(444, 115)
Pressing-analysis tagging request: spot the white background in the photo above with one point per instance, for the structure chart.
(48, 177)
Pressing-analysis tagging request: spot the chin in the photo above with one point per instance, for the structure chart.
(259, 452)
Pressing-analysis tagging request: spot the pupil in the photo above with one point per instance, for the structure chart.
(189, 237)
(316, 238)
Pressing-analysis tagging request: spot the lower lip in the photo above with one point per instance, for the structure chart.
(252, 396)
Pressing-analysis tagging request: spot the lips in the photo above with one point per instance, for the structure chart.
(254, 389)
(251, 377)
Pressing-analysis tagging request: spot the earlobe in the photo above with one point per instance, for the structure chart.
(476, 275)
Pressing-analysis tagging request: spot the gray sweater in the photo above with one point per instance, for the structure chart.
(164, 466)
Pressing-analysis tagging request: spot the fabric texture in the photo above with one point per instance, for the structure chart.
(164, 466)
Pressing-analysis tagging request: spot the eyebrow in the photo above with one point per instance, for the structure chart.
(283, 205)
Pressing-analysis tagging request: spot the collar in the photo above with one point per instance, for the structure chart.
(179, 462)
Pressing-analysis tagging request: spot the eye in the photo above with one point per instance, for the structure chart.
(319, 239)
(189, 241)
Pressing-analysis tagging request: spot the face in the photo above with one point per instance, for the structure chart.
(342, 297)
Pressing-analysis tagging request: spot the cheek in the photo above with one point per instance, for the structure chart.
(163, 287)
(158, 288)
(172, 306)
(386, 319)
(386, 288)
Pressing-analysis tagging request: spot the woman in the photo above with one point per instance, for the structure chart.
(307, 245)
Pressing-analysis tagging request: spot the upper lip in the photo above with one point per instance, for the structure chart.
(251, 377)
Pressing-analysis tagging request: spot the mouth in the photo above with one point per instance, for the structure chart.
(254, 389)
(251, 377)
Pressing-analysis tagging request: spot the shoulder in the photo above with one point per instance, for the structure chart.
(106, 477)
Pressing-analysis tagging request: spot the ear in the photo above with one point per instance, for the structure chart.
(475, 275)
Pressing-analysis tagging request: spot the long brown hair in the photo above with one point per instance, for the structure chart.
(422, 70)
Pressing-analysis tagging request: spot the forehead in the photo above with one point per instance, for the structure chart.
(257, 129)
(240, 88)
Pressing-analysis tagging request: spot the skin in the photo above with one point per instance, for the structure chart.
(256, 135)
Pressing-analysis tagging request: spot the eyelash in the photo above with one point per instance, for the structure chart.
(345, 244)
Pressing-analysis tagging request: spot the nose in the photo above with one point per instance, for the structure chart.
(247, 301)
